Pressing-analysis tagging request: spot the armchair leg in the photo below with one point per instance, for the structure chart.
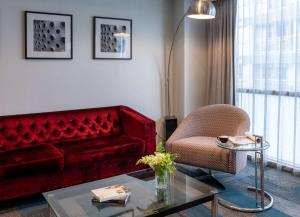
(203, 175)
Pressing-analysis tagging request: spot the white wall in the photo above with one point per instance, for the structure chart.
(196, 65)
(28, 86)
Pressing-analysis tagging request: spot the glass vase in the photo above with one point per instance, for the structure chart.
(161, 180)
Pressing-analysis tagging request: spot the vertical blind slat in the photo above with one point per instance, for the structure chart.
(296, 78)
(279, 88)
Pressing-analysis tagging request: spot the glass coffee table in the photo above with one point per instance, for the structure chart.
(183, 192)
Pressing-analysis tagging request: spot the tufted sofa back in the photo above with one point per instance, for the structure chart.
(18, 131)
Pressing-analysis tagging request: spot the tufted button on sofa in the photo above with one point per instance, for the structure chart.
(46, 151)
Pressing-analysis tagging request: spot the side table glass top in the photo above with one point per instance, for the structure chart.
(249, 147)
(183, 191)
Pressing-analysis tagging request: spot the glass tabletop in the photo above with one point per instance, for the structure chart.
(76, 201)
(248, 147)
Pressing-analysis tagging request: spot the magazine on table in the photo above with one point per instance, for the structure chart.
(244, 140)
(240, 140)
(111, 194)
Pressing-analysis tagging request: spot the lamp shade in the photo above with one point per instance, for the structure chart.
(202, 9)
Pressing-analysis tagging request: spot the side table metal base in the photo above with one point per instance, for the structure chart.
(258, 148)
(228, 205)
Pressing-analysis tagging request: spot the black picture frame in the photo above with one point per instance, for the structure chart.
(97, 40)
(66, 39)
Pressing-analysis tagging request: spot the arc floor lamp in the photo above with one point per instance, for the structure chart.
(199, 9)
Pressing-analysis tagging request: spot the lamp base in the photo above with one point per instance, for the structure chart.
(171, 125)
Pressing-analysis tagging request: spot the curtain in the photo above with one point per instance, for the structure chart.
(221, 32)
(267, 63)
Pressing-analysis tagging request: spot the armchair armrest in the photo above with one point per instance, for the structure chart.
(140, 126)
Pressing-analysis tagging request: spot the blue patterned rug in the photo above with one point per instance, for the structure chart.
(284, 187)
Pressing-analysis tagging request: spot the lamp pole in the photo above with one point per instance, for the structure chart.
(169, 64)
(199, 9)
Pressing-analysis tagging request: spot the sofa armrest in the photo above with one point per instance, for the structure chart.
(140, 126)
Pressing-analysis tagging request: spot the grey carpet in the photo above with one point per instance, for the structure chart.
(284, 187)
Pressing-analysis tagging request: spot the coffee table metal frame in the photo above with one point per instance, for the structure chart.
(258, 148)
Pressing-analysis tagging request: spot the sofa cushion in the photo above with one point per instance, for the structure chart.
(29, 160)
(83, 152)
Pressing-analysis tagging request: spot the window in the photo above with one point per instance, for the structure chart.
(267, 59)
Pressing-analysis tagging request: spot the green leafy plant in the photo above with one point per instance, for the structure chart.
(161, 161)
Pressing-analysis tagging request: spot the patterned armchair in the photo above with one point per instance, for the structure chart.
(195, 138)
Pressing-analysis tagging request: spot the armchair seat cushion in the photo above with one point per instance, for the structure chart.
(203, 152)
(30, 160)
(84, 152)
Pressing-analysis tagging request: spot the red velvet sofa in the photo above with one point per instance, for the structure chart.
(46, 151)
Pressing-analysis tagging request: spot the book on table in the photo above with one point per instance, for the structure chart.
(111, 194)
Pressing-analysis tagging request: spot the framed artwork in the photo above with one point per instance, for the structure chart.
(112, 38)
(48, 35)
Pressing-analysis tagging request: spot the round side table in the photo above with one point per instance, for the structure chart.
(258, 148)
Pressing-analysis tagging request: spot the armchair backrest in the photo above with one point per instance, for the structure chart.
(213, 121)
